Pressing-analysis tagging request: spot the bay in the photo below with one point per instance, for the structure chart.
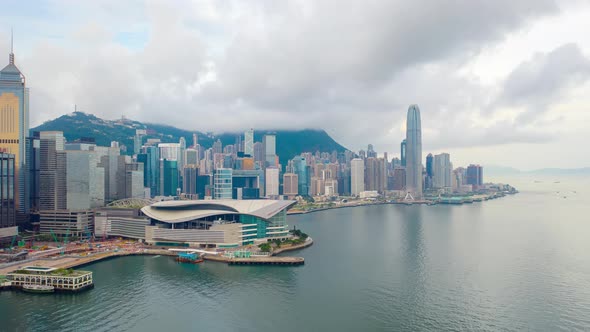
(517, 263)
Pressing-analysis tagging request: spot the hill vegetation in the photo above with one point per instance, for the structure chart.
(78, 125)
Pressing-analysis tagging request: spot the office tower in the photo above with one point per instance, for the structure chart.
(362, 154)
(191, 157)
(246, 183)
(138, 140)
(371, 152)
(270, 149)
(249, 142)
(168, 177)
(414, 153)
(357, 176)
(204, 185)
(182, 145)
(399, 178)
(8, 227)
(108, 157)
(403, 151)
(272, 182)
(195, 140)
(290, 184)
(132, 178)
(217, 147)
(84, 180)
(442, 169)
(317, 187)
(344, 181)
(14, 124)
(33, 177)
(429, 171)
(170, 151)
(151, 168)
(258, 153)
(52, 171)
(222, 183)
(301, 169)
(330, 187)
(371, 173)
(189, 181)
(475, 176)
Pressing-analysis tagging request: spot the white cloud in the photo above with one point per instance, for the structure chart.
(479, 71)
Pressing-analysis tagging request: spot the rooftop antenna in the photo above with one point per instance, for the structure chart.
(11, 56)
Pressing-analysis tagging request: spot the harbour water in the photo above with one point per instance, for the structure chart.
(517, 263)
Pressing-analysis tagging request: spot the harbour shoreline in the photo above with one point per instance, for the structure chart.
(423, 202)
(70, 261)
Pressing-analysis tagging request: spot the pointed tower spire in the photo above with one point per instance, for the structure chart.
(11, 56)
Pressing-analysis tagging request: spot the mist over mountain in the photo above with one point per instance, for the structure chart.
(78, 124)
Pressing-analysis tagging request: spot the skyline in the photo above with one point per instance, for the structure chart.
(514, 88)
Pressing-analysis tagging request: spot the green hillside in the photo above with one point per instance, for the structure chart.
(77, 125)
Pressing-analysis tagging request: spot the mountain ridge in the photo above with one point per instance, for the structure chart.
(77, 125)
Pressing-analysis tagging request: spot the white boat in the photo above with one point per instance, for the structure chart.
(30, 288)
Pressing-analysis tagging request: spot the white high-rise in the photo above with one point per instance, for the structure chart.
(272, 182)
(442, 171)
(414, 153)
(357, 176)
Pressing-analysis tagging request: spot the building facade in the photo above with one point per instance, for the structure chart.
(14, 124)
(249, 142)
(414, 153)
(272, 182)
(290, 184)
(8, 226)
(442, 168)
(216, 223)
(222, 183)
(357, 176)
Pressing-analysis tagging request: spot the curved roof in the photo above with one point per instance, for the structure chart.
(181, 211)
(131, 203)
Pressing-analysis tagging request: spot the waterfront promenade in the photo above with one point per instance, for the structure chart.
(77, 260)
(322, 206)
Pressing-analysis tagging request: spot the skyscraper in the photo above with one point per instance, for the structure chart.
(52, 184)
(272, 182)
(270, 149)
(249, 142)
(302, 170)
(14, 123)
(357, 176)
(403, 152)
(168, 177)
(222, 183)
(475, 176)
(414, 152)
(290, 184)
(8, 227)
(442, 171)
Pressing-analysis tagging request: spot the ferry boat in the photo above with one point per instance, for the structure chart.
(42, 289)
(188, 257)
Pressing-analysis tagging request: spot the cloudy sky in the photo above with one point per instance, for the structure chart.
(499, 82)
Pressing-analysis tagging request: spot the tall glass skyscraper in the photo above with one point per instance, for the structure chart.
(14, 124)
(414, 152)
(249, 142)
(222, 183)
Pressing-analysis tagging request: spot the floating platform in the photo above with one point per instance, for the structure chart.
(267, 261)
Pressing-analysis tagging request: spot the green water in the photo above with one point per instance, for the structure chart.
(512, 264)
